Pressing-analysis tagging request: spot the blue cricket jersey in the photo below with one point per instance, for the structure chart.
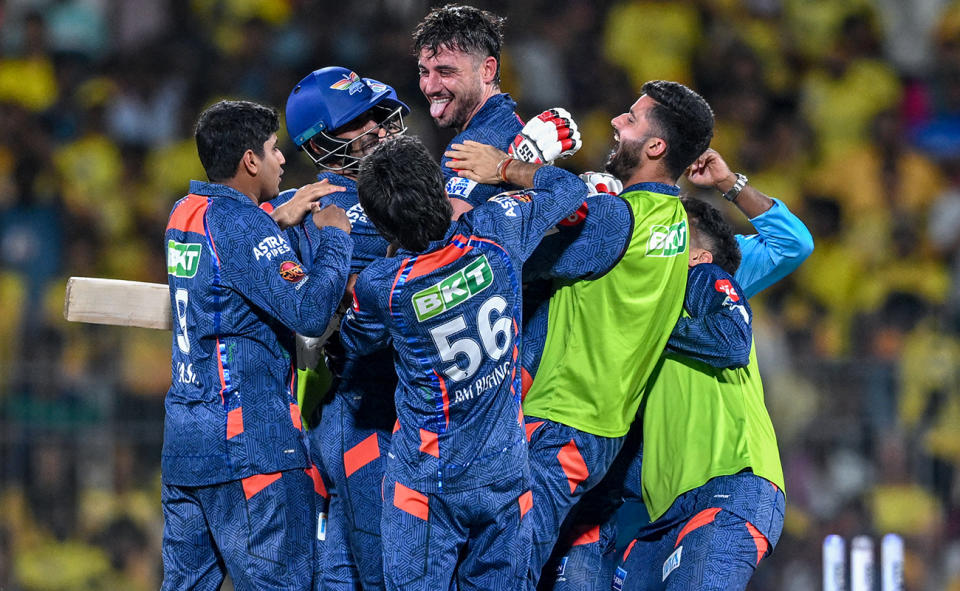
(495, 124)
(452, 314)
(238, 293)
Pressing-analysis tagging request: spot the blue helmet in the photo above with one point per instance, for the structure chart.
(331, 98)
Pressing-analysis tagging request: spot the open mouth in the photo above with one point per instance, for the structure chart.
(439, 105)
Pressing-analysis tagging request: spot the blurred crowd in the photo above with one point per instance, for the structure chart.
(847, 111)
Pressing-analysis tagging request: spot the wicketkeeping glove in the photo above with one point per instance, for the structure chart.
(601, 182)
(550, 135)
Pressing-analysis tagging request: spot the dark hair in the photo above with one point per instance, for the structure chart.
(682, 118)
(463, 28)
(712, 232)
(401, 189)
(227, 129)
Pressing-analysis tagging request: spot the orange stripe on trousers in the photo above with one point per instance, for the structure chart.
(573, 465)
(361, 454)
(411, 501)
(699, 520)
(256, 483)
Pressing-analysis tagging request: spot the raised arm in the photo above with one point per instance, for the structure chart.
(782, 241)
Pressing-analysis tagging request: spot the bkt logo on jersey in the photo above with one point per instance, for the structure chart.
(183, 260)
(270, 247)
(454, 290)
(667, 241)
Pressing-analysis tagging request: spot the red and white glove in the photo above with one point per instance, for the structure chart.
(601, 182)
(550, 135)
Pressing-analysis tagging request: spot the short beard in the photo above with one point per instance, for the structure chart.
(625, 159)
(464, 107)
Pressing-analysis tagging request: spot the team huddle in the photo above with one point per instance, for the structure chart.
(494, 353)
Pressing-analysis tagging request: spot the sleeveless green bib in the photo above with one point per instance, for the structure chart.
(605, 335)
(700, 422)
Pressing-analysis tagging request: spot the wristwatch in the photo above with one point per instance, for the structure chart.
(736, 188)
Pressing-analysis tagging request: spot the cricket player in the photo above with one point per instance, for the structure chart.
(240, 495)
(337, 118)
(458, 57)
(585, 558)
(711, 478)
(456, 488)
(605, 331)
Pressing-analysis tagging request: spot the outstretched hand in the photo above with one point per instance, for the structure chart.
(293, 211)
(475, 161)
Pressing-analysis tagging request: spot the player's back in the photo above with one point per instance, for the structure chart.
(455, 317)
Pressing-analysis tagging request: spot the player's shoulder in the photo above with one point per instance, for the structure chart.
(381, 271)
(708, 271)
(709, 277)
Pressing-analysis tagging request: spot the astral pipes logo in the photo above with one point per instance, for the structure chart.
(667, 241)
(454, 290)
(351, 83)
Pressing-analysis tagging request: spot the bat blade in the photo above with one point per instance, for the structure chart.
(117, 302)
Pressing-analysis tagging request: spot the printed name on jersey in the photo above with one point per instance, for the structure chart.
(270, 247)
(458, 186)
(453, 290)
(183, 259)
(511, 199)
(672, 562)
(291, 271)
(667, 241)
(356, 214)
(481, 385)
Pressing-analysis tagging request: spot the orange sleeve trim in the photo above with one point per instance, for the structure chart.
(760, 540)
(254, 484)
(411, 501)
(188, 216)
(573, 465)
(318, 486)
(626, 552)
(267, 207)
(396, 426)
(526, 503)
(234, 422)
(361, 454)
(699, 520)
(430, 443)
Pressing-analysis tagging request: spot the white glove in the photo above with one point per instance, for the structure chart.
(550, 135)
(601, 182)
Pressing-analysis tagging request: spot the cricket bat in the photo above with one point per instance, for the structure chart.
(118, 302)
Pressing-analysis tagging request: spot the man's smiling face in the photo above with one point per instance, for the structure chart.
(452, 81)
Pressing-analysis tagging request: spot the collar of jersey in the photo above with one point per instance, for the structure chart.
(218, 190)
(490, 108)
(337, 179)
(653, 188)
